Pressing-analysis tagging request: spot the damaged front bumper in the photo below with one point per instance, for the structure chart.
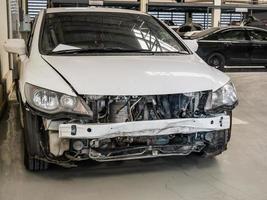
(140, 139)
(144, 128)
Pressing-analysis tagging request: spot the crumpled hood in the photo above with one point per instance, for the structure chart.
(137, 75)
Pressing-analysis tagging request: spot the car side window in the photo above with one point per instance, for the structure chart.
(233, 35)
(212, 37)
(258, 35)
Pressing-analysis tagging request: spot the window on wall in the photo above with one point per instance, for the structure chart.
(202, 18)
(178, 18)
(13, 6)
(231, 19)
(34, 6)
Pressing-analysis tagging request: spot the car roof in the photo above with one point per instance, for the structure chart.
(254, 28)
(219, 29)
(241, 27)
(231, 27)
(92, 9)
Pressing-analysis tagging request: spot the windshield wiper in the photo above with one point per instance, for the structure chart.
(181, 52)
(113, 50)
(103, 50)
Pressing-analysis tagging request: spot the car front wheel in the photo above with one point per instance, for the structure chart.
(33, 156)
(216, 60)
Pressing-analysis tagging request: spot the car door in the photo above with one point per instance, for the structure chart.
(259, 46)
(208, 44)
(235, 45)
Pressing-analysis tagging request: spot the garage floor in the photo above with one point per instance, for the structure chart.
(240, 173)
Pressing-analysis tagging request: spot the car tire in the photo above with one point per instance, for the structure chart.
(216, 60)
(33, 154)
(33, 164)
(21, 109)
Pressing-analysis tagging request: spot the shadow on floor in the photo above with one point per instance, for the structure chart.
(93, 169)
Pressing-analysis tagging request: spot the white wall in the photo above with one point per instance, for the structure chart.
(6, 73)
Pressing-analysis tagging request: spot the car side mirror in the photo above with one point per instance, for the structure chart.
(16, 46)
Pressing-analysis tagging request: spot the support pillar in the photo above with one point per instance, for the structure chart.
(4, 63)
(216, 13)
(144, 5)
(188, 17)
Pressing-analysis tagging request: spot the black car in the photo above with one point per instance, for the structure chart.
(233, 46)
(253, 21)
(189, 27)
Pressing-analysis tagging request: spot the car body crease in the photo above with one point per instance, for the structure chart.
(72, 88)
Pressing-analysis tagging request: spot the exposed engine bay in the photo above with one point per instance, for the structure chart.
(115, 109)
(173, 138)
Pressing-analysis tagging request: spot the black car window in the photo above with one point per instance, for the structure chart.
(214, 36)
(258, 35)
(233, 35)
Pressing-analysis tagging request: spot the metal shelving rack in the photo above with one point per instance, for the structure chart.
(178, 11)
(85, 3)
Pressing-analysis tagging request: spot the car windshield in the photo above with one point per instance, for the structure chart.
(87, 32)
(205, 32)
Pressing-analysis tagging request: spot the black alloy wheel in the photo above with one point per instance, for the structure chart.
(217, 61)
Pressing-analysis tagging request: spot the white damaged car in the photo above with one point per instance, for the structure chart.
(109, 84)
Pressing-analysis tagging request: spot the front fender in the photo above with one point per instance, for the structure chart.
(37, 72)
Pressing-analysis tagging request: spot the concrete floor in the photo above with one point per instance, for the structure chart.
(239, 173)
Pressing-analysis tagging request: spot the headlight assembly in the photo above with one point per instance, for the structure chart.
(223, 98)
(52, 102)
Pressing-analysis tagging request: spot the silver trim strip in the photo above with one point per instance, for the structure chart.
(144, 128)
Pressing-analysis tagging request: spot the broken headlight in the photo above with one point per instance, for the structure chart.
(224, 98)
(52, 102)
